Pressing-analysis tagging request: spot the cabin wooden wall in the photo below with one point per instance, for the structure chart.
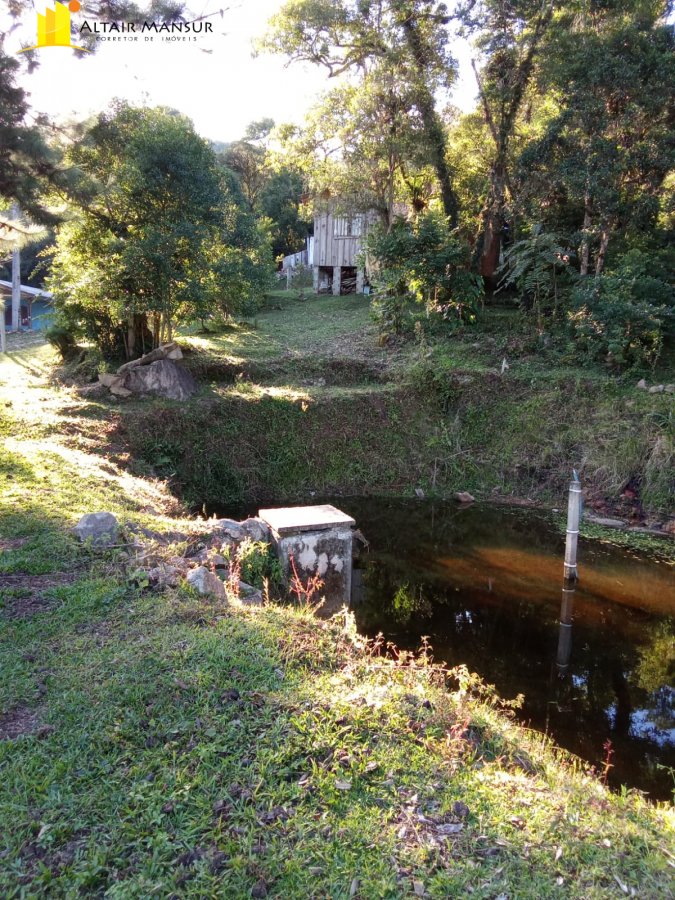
(330, 250)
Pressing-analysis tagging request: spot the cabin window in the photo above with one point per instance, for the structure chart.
(347, 226)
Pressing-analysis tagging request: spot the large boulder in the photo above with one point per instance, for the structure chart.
(100, 529)
(155, 373)
(164, 378)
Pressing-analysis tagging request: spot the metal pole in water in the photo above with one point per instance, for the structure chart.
(573, 517)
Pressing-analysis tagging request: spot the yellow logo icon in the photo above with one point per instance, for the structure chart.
(53, 28)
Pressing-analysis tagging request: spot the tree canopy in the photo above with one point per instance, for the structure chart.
(158, 230)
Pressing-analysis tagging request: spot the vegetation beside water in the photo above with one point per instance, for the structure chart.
(156, 744)
(302, 400)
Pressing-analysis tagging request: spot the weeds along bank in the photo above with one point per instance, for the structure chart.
(303, 398)
(438, 430)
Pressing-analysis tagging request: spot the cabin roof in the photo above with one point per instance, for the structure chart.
(29, 293)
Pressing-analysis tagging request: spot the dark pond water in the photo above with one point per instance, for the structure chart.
(485, 584)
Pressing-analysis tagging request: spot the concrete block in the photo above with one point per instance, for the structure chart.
(319, 540)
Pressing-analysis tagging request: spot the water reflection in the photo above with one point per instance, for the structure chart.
(565, 629)
(484, 584)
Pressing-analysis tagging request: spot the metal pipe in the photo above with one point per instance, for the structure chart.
(572, 533)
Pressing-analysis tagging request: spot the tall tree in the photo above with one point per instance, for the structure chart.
(363, 144)
(376, 38)
(509, 34)
(271, 183)
(608, 151)
(29, 164)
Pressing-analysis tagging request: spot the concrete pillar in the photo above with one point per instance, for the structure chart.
(360, 278)
(319, 540)
(315, 279)
(337, 280)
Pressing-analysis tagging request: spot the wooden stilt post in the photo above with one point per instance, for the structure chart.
(16, 279)
(573, 519)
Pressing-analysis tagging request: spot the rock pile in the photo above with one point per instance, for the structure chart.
(155, 373)
(656, 388)
(204, 565)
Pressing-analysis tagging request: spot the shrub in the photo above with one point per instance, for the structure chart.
(625, 315)
(423, 263)
(258, 564)
(63, 339)
(538, 266)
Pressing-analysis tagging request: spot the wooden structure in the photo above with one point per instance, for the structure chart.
(338, 243)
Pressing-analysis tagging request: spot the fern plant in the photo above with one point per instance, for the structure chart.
(537, 266)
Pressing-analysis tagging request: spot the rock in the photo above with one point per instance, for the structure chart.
(229, 528)
(249, 595)
(119, 390)
(256, 529)
(642, 384)
(608, 523)
(163, 378)
(208, 558)
(644, 529)
(657, 389)
(219, 561)
(100, 529)
(205, 582)
(92, 391)
(464, 497)
(164, 575)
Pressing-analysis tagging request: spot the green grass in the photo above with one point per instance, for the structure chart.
(199, 751)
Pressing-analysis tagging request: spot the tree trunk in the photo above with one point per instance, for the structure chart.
(493, 223)
(604, 241)
(137, 329)
(585, 248)
(156, 322)
(502, 124)
(434, 133)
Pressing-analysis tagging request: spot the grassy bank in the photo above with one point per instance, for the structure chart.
(154, 744)
(162, 746)
(303, 399)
